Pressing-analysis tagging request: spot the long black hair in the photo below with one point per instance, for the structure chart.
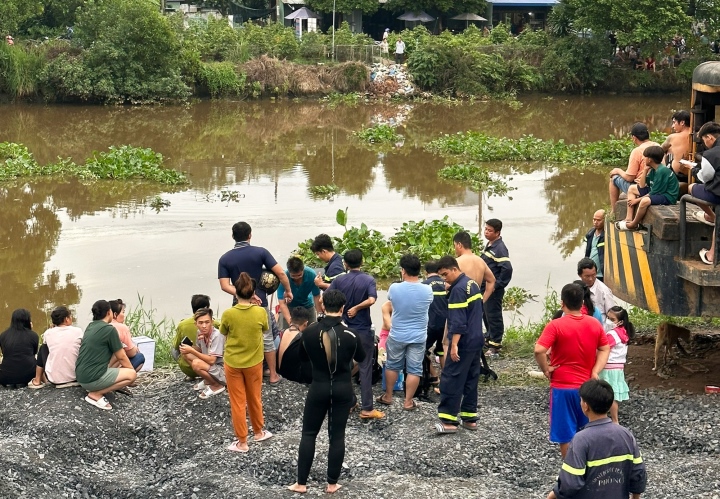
(622, 315)
(587, 299)
(20, 326)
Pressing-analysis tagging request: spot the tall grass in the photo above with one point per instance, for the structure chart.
(144, 321)
(20, 68)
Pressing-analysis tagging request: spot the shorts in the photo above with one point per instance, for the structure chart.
(699, 191)
(137, 361)
(621, 183)
(616, 379)
(435, 336)
(217, 371)
(404, 355)
(105, 381)
(655, 199)
(566, 416)
(268, 336)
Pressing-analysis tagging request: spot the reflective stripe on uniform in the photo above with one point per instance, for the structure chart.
(493, 257)
(442, 415)
(615, 459)
(327, 278)
(464, 304)
(573, 471)
(468, 414)
(440, 293)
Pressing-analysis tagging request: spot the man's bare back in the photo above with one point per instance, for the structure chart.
(678, 144)
(476, 269)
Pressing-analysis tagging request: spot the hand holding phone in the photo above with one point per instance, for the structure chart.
(187, 341)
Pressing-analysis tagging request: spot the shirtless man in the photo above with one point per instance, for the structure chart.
(677, 145)
(472, 265)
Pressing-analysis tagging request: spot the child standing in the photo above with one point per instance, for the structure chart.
(655, 185)
(620, 333)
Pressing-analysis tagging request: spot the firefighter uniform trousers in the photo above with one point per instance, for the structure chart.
(459, 388)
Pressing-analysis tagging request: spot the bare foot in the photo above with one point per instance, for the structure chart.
(332, 488)
(296, 487)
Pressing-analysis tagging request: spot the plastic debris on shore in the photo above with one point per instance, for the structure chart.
(390, 80)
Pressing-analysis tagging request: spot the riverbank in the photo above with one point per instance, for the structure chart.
(164, 441)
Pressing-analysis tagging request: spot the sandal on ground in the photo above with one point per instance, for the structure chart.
(412, 407)
(100, 403)
(235, 447)
(469, 425)
(700, 216)
(266, 435)
(704, 258)
(209, 392)
(68, 385)
(375, 414)
(33, 386)
(381, 400)
(280, 378)
(440, 429)
(198, 387)
(355, 407)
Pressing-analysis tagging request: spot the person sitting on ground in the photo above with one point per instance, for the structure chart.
(603, 459)
(57, 356)
(655, 185)
(304, 291)
(100, 348)
(205, 355)
(332, 347)
(187, 327)
(136, 357)
(243, 325)
(622, 180)
(292, 364)
(18, 345)
(710, 190)
(405, 346)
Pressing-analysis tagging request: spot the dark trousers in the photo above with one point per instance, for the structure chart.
(459, 388)
(335, 400)
(43, 355)
(493, 318)
(365, 369)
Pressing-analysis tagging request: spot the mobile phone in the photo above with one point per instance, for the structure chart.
(187, 341)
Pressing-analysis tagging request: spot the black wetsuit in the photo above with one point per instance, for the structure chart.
(330, 393)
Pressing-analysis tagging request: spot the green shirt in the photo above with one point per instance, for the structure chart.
(99, 343)
(664, 182)
(244, 325)
(187, 327)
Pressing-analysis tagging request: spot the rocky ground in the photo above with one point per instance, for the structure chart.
(165, 442)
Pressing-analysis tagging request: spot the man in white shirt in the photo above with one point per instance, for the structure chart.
(601, 295)
(206, 355)
(399, 51)
(56, 358)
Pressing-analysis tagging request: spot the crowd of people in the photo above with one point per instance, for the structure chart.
(326, 334)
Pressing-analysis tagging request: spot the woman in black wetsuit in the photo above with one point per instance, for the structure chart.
(331, 347)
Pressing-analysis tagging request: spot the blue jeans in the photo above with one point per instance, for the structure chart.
(404, 355)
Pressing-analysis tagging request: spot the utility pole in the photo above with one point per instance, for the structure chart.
(333, 38)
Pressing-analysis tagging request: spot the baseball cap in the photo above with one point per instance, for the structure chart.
(639, 130)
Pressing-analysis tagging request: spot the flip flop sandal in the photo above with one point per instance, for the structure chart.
(440, 429)
(622, 225)
(375, 414)
(33, 386)
(700, 216)
(208, 392)
(234, 447)
(68, 385)
(413, 407)
(276, 382)
(704, 258)
(468, 425)
(198, 387)
(265, 436)
(100, 403)
(381, 400)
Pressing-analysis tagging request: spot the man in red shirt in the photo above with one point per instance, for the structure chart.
(579, 352)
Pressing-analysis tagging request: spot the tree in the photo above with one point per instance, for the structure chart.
(640, 21)
(347, 6)
(14, 13)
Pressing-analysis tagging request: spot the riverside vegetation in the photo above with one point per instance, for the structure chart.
(125, 51)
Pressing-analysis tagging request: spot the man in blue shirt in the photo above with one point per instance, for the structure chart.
(305, 293)
(405, 346)
(459, 381)
(360, 290)
(323, 248)
(253, 260)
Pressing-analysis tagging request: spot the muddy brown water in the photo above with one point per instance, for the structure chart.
(63, 241)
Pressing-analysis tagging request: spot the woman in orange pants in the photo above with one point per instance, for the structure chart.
(243, 324)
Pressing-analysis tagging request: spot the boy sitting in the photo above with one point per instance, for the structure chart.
(655, 185)
(603, 459)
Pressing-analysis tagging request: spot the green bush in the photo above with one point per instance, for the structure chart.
(20, 68)
(221, 79)
(500, 34)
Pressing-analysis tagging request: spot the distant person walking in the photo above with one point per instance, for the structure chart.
(399, 51)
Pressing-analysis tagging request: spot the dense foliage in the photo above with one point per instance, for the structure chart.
(119, 163)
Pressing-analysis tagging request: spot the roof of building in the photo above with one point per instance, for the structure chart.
(524, 3)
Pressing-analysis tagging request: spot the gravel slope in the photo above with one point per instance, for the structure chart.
(164, 442)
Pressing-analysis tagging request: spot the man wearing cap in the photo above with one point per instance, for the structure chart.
(622, 180)
(253, 260)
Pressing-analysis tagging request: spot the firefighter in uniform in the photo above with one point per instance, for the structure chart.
(497, 258)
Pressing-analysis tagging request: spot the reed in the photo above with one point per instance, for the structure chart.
(20, 68)
(145, 321)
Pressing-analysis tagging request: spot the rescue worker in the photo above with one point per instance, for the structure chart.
(497, 258)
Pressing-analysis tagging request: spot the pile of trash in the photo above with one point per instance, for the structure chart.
(390, 80)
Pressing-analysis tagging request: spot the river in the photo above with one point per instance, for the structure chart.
(63, 241)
